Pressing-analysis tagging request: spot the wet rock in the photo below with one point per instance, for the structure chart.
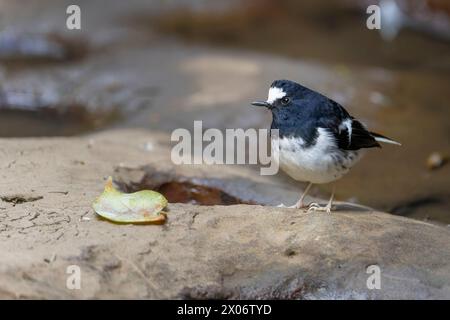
(64, 101)
(179, 192)
(238, 251)
(208, 185)
(32, 47)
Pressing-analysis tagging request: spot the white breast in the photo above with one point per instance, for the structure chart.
(321, 163)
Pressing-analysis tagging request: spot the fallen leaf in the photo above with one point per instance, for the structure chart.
(139, 207)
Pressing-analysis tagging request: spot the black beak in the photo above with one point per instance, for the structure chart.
(261, 104)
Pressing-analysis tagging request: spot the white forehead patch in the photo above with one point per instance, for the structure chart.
(274, 94)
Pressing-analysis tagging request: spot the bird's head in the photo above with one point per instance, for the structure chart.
(285, 97)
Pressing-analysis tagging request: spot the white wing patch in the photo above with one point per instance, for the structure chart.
(347, 124)
(275, 94)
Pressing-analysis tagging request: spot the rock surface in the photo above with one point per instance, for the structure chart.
(241, 251)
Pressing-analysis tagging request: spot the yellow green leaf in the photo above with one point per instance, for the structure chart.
(139, 207)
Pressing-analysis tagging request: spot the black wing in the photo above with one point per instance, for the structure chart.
(358, 138)
(350, 134)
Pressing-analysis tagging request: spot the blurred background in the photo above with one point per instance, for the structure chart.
(160, 65)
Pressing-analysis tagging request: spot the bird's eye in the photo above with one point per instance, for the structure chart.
(285, 100)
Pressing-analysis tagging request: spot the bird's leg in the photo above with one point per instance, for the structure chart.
(330, 202)
(299, 203)
(316, 207)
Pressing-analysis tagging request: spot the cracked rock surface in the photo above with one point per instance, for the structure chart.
(47, 186)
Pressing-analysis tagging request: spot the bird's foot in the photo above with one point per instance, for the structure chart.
(317, 207)
(299, 205)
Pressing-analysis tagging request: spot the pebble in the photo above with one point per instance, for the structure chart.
(436, 160)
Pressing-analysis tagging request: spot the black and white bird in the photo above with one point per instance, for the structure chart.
(318, 140)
